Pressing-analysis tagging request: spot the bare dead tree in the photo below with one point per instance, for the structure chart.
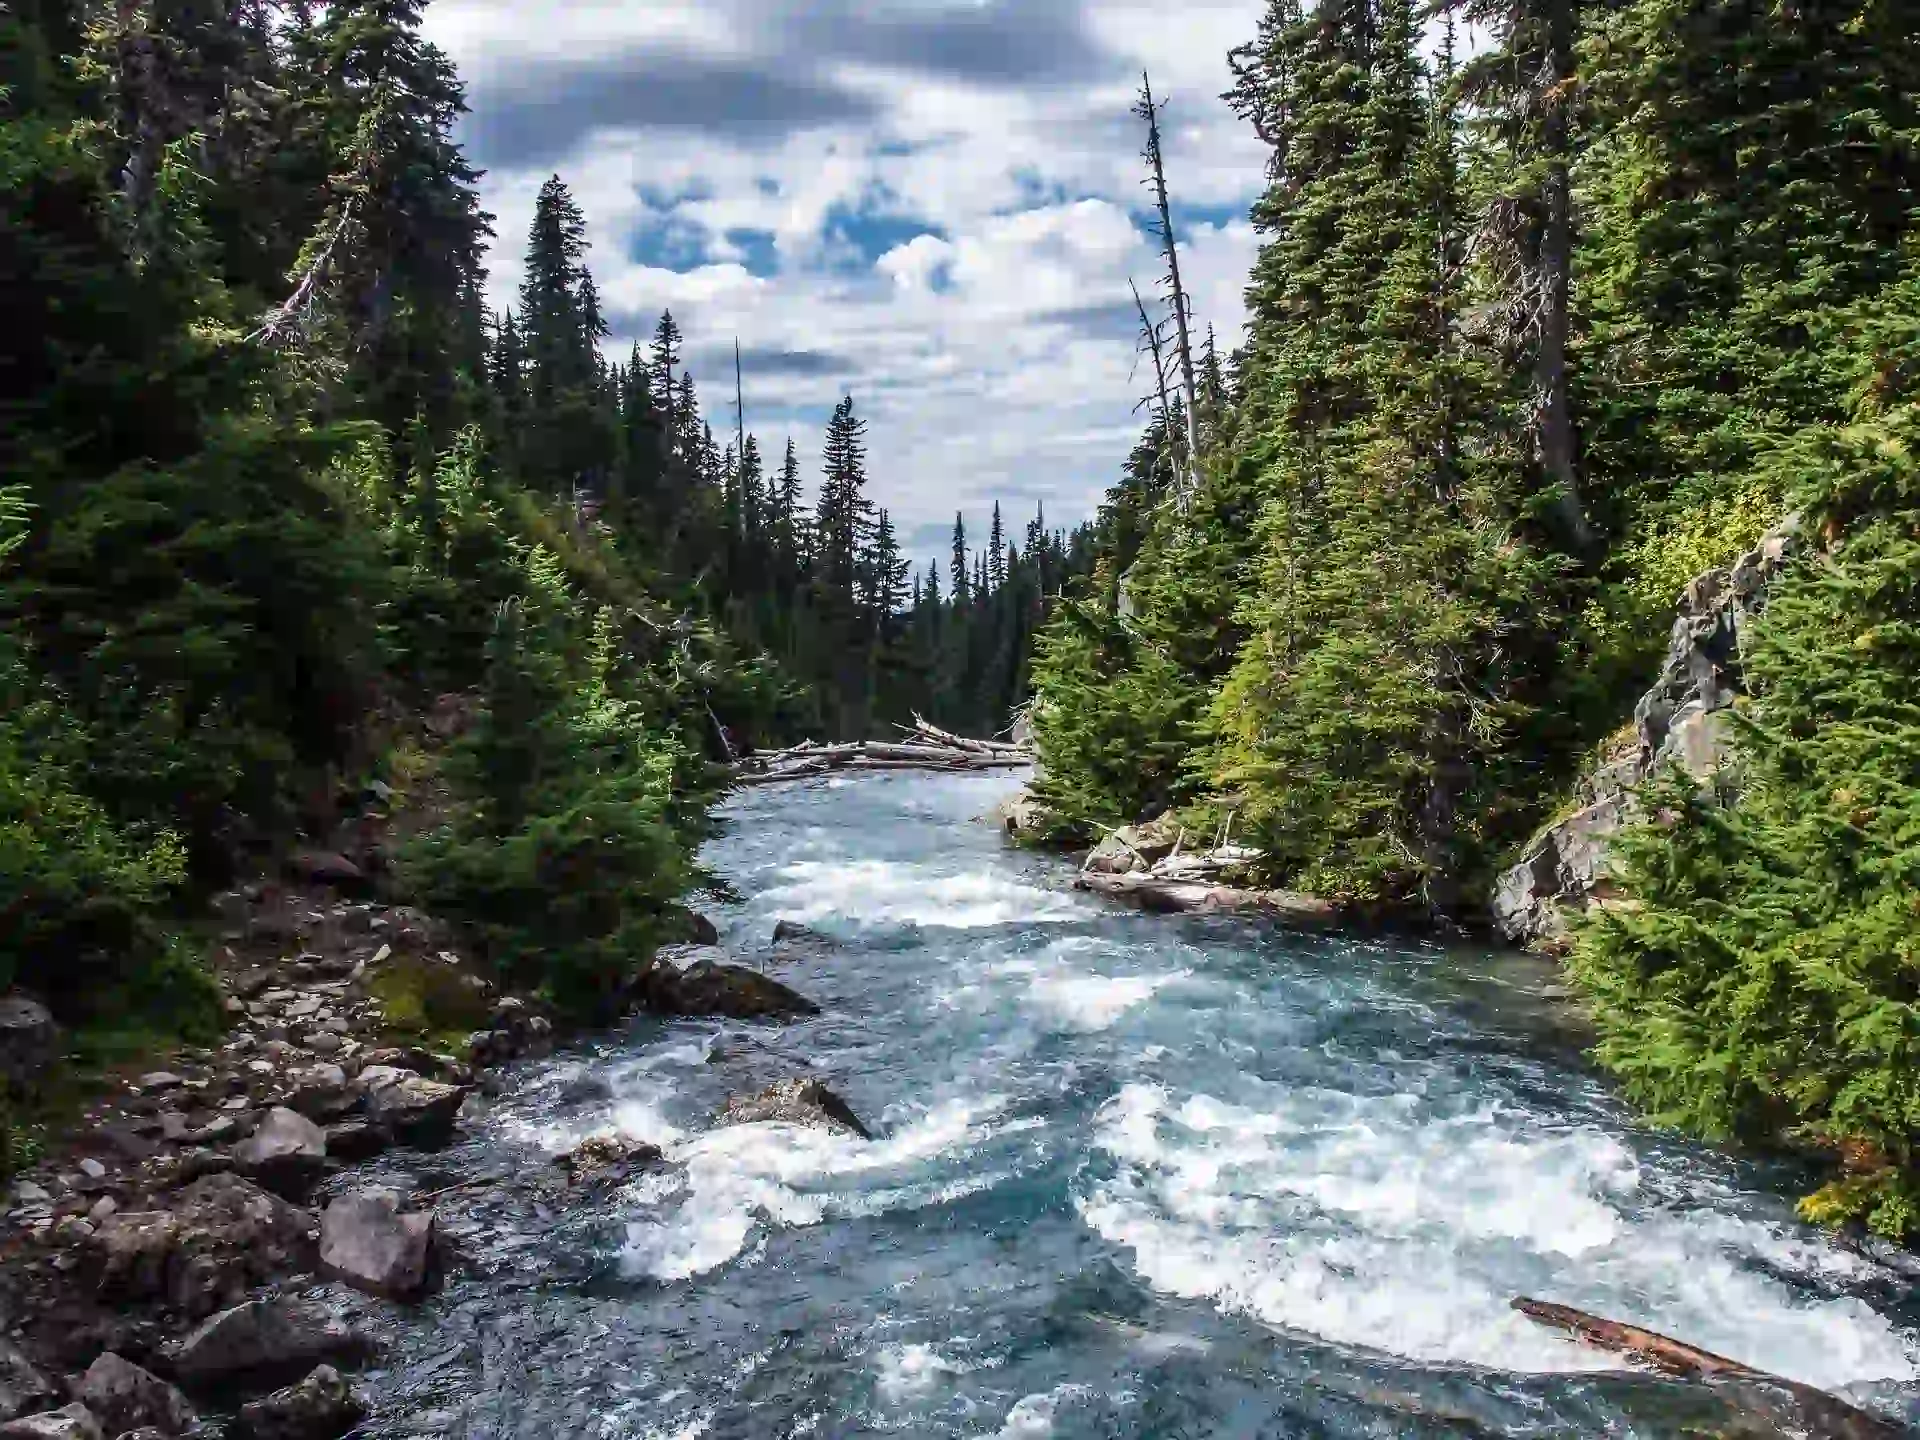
(1150, 336)
(1148, 111)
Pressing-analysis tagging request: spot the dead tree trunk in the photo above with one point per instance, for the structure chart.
(1183, 339)
(1152, 334)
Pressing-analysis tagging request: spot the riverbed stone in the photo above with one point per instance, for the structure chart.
(221, 1236)
(125, 1397)
(796, 1101)
(321, 1407)
(264, 1338)
(24, 1390)
(369, 1242)
(608, 1159)
(320, 1092)
(71, 1422)
(408, 1106)
(287, 1153)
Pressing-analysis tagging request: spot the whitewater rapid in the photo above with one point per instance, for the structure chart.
(1132, 1176)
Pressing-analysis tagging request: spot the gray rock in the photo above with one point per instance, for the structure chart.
(275, 1337)
(708, 987)
(287, 1153)
(158, 1081)
(75, 1422)
(791, 939)
(367, 1241)
(796, 1102)
(321, 1407)
(355, 1140)
(608, 1159)
(320, 1092)
(222, 1236)
(29, 1040)
(125, 1397)
(409, 1107)
(23, 1389)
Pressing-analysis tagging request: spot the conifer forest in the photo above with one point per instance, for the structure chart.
(1558, 307)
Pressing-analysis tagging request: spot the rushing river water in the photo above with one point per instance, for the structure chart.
(1134, 1176)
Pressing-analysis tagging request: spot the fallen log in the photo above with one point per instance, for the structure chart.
(926, 751)
(935, 735)
(1167, 896)
(1824, 1414)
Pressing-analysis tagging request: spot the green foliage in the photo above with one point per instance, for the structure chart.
(1760, 977)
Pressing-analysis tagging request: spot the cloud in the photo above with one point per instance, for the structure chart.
(934, 204)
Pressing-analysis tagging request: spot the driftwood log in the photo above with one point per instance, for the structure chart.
(927, 747)
(1164, 895)
(1812, 1412)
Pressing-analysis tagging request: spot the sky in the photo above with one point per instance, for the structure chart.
(932, 205)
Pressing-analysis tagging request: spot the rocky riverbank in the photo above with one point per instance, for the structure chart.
(198, 1253)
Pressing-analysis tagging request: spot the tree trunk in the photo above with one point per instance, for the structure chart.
(1554, 426)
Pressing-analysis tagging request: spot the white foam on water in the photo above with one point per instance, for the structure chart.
(886, 892)
(1082, 1000)
(910, 1372)
(738, 1179)
(1371, 1221)
(1032, 1416)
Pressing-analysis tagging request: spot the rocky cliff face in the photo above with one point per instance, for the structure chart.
(1680, 721)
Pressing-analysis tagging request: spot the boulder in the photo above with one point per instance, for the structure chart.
(1019, 816)
(708, 987)
(29, 1040)
(367, 1241)
(355, 1140)
(321, 1407)
(795, 1102)
(23, 1389)
(75, 1422)
(410, 1107)
(287, 1153)
(608, 1159)
(1133, 848)
(262, 1338)
(324, 867)
(320, 1092)
(125, 1397)
(223, 1236)
(792, 940)
(1567, 860)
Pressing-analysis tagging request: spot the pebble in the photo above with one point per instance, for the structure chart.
(260, 1067)
(92, 1168)
(236, 1104)
(104, 1209)
(303, 1007)
(325, 1042)
(29, 1193)
(159, 1080)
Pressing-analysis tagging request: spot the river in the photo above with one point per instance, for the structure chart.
(1134, 1176)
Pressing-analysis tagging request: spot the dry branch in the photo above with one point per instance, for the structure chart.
(927, 748)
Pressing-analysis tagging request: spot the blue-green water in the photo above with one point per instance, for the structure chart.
(1134, 1176)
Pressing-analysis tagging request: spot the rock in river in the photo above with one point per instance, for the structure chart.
(410, 1107)
(321, 1407)
(367, 1241)
(707, 987)
(796, 1102)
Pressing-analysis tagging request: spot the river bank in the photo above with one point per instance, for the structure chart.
(1129, 1174)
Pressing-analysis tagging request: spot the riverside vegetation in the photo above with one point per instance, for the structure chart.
(1536, 336)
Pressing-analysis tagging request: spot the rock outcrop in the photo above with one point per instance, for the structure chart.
(796, 1102)
(1681, 721)
(29, 1040)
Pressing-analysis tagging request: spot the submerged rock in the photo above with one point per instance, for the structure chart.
(321, 1407)
(263, 1337)
(125, 1397)
(796, 1102)
(708, 987)
(367, 1241)
(608, 1159)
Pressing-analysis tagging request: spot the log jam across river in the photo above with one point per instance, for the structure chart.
(1133, 1176)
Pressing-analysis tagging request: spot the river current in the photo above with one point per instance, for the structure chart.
(1133, 1176)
